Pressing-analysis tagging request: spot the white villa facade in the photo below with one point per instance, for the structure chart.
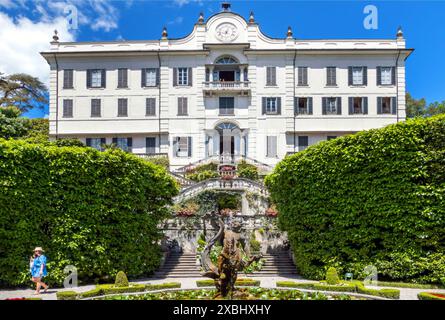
(224, 89)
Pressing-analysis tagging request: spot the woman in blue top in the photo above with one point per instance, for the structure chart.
(38, 269)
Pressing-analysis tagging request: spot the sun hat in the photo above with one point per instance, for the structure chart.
(38, 249)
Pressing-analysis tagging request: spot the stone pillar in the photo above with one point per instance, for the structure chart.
(244, 204)
(211, 74)
(242, 74)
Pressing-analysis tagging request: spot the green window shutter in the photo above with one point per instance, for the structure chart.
(175, 77)
(143, 77)
(189, 146)
(264, 105)
(295, 105)
(88, 78)
(351, 105)
(190, 76)
(379, 76)
(88, 142)
(379, 105)
(279, 105)
(158, 76)
(309, 105)
(324, 102)
(394, 105)
(103, 78)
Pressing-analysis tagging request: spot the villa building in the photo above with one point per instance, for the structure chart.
(224, 90)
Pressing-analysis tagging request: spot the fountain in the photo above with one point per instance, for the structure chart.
(229, 261)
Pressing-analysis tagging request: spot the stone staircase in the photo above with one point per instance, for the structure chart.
(179, 265)
(277, 264)
(183, 265)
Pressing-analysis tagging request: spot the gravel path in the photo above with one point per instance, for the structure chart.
(190, 283)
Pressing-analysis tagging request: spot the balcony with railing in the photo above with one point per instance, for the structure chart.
(234, 87)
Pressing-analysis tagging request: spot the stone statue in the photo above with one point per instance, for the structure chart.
(229, 261)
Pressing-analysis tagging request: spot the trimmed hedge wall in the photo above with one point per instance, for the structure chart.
(373, 198)
(430, 296)
(98, 211)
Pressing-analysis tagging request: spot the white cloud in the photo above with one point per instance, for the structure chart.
(23, 39)
(181, 3)
(7, 4)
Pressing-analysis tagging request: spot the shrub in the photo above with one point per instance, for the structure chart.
(112, 289)
(332, 276)
(121, 279)
(98, 211)
(66, 295)
(344, 286)
(255, 245)
(430, 296)
(167, 285)
(247, 170)
(243, 282)
(371, 198)
(162, 161)
(91, 293)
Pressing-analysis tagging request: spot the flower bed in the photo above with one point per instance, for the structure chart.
(105, 289)
(344, 286)
(241, 294)
(431, 296)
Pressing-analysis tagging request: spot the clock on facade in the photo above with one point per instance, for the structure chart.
(226, 32)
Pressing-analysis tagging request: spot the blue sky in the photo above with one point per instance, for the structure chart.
(422, 22)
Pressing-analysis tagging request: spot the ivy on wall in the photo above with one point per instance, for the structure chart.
(97, 211)
(373, 198)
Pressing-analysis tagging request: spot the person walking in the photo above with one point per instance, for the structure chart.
(38, 269)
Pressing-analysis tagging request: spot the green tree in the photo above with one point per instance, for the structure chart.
(23, 91)
(11, 126)
(435, 108)
(414, 107)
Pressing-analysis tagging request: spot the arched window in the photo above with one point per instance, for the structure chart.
(226, 60)
(226, 125)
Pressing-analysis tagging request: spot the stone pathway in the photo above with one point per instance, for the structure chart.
(190, 283)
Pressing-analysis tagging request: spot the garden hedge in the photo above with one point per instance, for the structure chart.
(98, 211)
(431, 296)
(372, 198)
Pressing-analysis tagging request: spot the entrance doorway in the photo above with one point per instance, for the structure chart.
(226, 145)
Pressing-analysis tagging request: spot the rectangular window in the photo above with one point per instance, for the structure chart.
(302, 76)
(150, 106)
(226, 105)
(331, 76)
(150, 145)
(331, 137)
(150, 77)
(67, 108)
(331, 106)
(386, 76)
(182, 147)
(182, 76)
(357, 75)
(271, 105)
(386, 105)
(271, 76)
(182, 106)
(303, 106)
(96, 143)
(95, 107)
(303, 142)
(68, 79)
(358, 105)
(271, 146)
(122, 107)
(124, 144)
(122, 78)
(96, 78)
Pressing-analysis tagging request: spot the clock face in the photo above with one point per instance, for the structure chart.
(226, 32)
